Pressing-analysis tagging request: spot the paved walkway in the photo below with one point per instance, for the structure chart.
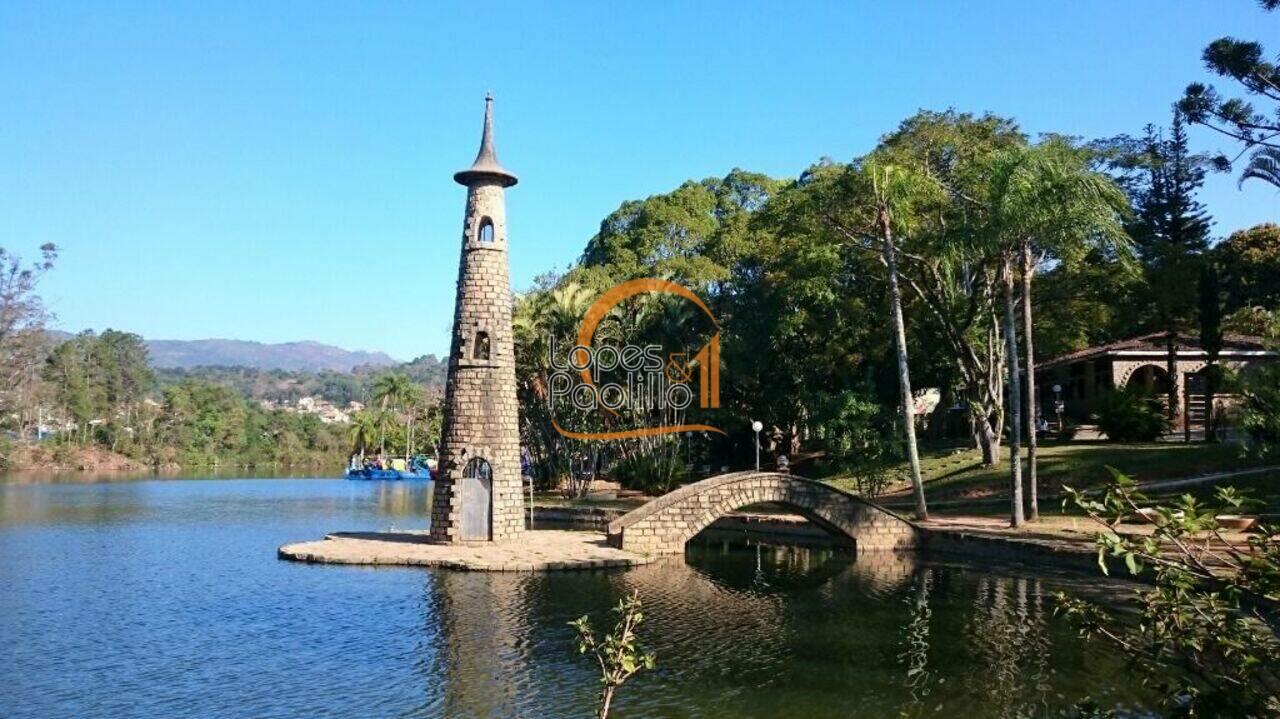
(549, 550)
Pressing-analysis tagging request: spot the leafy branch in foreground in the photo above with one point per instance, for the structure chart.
(1206, 637)
(619, 653)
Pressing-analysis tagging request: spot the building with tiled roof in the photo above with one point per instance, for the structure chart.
(1081, 377)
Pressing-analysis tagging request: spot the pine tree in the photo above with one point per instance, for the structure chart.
(1171, 231)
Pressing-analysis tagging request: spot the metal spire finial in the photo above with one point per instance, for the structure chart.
(486, 166)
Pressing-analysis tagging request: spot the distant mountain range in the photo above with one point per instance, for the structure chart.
(292, 356)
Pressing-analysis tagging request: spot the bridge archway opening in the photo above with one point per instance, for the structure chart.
(770, 523)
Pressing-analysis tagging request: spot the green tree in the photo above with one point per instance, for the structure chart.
(1264, 164)
(1170, 229)
(126, 375)
(1253, 321)
(544, 318)
(391, 391)
(22, 337)
(1249, 259)
(100, 381)
(205, 423)
(1259, 392)
(874, 204)
(800, 329)
(952, 266)
(1082, 304)
(692, 235)
(1205, 637)
(1237, 117)
(363, 430)
(79, 391)
(1045, 204)
(897, 193)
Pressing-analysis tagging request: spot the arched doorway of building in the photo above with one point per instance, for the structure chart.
(1151, 379)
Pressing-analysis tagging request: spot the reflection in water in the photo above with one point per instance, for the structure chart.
(915, 652)
(405, 499)
(770, 631)
(164, 599)
(1007, 630)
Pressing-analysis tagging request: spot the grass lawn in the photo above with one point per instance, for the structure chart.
(958, 474)
(1264, 487)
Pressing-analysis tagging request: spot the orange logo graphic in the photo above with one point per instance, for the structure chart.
(673, 379)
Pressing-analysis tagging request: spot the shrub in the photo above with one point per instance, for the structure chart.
(655, 473)
(618, 654)
(1260, 408)
(1205, 636)
(1131, 415)
(858, 435)
(7, 448)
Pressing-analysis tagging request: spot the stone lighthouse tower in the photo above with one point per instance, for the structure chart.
(477, 492)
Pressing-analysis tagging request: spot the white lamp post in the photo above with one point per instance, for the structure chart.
(1057, 403)
(756, 426)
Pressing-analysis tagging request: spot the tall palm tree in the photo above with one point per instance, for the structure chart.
(1045, 202)
(390, 390)
(364, 426)
(410, 402)
(897, 192)
(890, 198)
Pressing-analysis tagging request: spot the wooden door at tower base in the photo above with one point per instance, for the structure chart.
(477, 501)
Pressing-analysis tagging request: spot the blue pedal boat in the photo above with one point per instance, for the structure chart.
(417, 469)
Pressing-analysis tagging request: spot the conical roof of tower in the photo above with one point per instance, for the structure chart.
(486, 167)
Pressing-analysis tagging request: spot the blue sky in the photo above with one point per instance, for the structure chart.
(282, 171)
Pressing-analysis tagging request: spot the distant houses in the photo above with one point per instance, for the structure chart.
(328, 412)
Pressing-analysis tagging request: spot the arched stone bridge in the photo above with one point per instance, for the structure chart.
(663, 525)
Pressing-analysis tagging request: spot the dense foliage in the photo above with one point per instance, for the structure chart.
(99, 391)
(1206, 634)
(103, 392)
(1260, 409)
(1131, 415)
(289, 386)
(795, 274)
(802, 284)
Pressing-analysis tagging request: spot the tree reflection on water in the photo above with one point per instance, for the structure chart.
(759, 629)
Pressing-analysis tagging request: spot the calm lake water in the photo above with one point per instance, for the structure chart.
(165, 599)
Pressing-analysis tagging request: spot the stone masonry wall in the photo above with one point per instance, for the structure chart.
(481, 415)
(665, 524)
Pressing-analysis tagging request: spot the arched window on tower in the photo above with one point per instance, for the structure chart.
(486, 230)
(482, 346)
